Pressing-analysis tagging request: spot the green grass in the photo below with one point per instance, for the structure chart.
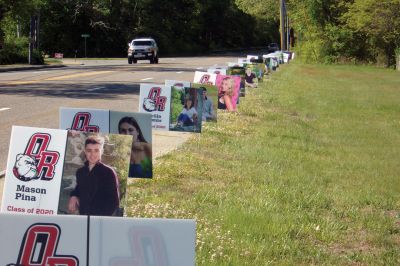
(306, 173)
(53, 61)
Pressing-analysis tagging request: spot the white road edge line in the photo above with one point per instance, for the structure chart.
(95, 89)
(39, 72)
(4, 109)
(179, 72)
(146, 79)
(199, 68)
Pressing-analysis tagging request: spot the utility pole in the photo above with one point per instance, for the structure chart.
(33, 36)
(283, 18)
(287, 33)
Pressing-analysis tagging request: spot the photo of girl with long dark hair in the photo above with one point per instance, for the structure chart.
(140, 163)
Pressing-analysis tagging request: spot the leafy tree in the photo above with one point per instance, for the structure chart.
(379, 22)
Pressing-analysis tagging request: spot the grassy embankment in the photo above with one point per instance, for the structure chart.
(307, 173)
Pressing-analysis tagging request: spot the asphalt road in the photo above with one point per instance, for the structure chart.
(33, 97)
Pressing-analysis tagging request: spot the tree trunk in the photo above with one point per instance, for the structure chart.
(398, 61)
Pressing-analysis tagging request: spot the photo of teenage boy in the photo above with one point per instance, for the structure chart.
(209, 95)
(208, 108)
(97, 186)
(140, 163)
(250, 78)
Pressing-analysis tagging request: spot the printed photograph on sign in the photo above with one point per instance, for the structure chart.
(84, 119)
(187, 114)
(96, 241)
(144, 242)
(217, 70)
(177, 97)
(210, 101)
(137, 125)
(95, 174)
(239, 71)
(254, 74)
(228, 92)
(155, 99)
(204, 78)
(34, 170)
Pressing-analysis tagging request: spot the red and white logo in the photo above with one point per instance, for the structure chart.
(205, 79)
(36, 162)
(39, 247)
(154, 102)
(81, 123)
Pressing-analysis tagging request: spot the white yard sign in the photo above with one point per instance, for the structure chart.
(205, 78)
(34, 170)
(96, 241)
(83, 119)
(155, 99)
(218, 71)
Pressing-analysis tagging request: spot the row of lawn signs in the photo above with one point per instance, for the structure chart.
(136, 125)
(251, 72)
(184, 106)
(95, 241)
(83, 171)
(270, 61)
(48, 176)
(82, 168)
(48, 169)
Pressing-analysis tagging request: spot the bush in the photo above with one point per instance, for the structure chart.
(37, 57)
(16, 51)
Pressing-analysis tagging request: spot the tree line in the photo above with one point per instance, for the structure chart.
(359, 31)
(329, 31)
(179, 26)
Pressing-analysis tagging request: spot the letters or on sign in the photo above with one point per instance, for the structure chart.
(96, 241)
(205, 78)
(155, 99)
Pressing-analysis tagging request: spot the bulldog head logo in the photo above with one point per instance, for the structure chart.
(25, 168)
(149, 105)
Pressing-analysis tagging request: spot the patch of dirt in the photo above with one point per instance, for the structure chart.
(356, 242)
(310, 117)
(314, 72)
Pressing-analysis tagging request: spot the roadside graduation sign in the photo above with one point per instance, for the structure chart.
(95, 241)
(42, 167)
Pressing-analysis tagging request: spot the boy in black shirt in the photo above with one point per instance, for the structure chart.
(96, 192)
